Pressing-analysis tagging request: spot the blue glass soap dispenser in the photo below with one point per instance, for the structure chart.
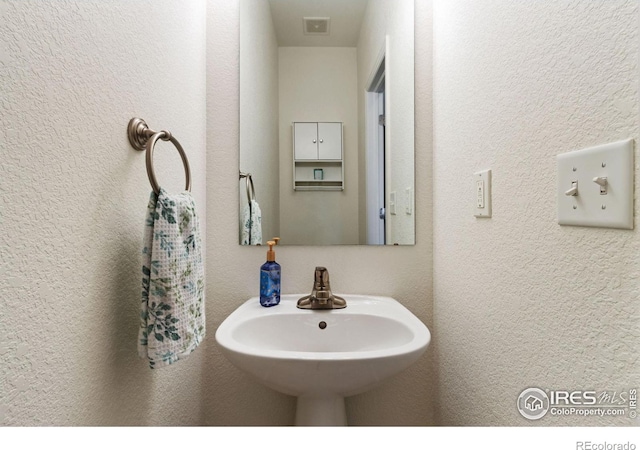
(270, 278)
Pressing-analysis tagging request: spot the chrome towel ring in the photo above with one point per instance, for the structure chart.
(251, 192)
(141, 137)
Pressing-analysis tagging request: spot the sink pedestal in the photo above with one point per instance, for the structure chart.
(326, 410)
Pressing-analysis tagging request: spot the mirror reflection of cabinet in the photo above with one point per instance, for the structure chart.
(317, 156)
(317, 140)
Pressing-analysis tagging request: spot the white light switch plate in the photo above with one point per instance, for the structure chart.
(482, 194)
(392, 203)
(589, 207)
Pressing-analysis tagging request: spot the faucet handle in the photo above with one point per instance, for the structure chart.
(322, 278)
(321, 296)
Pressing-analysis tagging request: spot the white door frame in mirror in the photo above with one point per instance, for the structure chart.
(374, 141)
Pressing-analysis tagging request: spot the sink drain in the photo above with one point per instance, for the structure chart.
(322, 325)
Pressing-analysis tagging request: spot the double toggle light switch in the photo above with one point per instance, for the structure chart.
(600, 181)
(595, 186)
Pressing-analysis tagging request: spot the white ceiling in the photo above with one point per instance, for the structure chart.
(346, 17)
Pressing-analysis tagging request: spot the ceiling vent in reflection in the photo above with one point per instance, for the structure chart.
(317, 26)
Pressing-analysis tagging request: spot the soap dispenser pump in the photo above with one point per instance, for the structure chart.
(270, 279)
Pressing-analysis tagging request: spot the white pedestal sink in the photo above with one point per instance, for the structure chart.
(323, 356)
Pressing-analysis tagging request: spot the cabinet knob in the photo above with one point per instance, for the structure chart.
(314, 141)
(321, 141)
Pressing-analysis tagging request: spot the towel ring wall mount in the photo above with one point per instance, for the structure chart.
(142, 138)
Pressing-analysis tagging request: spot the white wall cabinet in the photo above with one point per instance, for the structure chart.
(318, 156)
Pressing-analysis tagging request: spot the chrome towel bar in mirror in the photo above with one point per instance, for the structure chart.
(251, 192)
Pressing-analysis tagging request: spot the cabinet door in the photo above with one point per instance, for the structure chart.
(305, 140)
(330, 140)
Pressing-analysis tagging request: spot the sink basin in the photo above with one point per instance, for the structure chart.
(323, 356)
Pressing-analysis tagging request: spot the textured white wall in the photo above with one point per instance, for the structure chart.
(231, 398)
(318, 84)
(259, 112)
(74, 195)
(519, 300)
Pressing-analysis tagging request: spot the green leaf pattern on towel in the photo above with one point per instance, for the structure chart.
(172, 310)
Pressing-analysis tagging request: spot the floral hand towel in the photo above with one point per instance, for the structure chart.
(172, 317)
(252, 224)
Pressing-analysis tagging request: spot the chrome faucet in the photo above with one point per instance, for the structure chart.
(321, 296)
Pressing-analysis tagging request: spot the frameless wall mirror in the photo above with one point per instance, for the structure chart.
(327, 122)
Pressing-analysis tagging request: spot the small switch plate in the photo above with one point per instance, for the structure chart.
(392, 203)
(482, 193)
(594, 206)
